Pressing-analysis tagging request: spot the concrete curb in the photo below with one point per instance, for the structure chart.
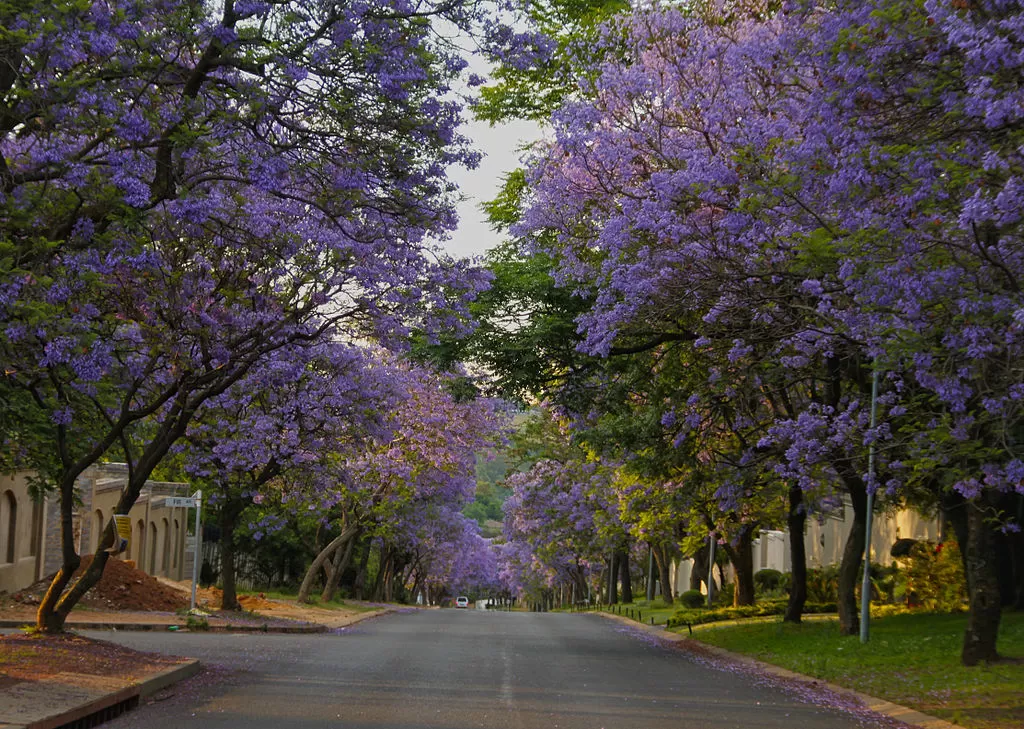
(217, 628)
(131, 694)
(904, 714)
(171, 676)
(177, 627)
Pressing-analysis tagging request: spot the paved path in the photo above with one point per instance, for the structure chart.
(459, 669)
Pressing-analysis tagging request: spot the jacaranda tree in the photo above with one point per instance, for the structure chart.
(186, 187)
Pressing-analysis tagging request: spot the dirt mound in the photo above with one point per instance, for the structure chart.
(122, 587)
(255, 602)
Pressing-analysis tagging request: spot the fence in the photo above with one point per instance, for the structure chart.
(250, 573)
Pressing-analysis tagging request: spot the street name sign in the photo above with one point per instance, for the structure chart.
(174, 502)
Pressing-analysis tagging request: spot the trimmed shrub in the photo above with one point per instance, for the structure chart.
(768, 580)
(934, 577)
(762, 609)
(823, 584)
(692, 599)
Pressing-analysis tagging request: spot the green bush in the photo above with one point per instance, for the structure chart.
(692, 599)
(934, 577)
(768, 580)
(823, 584)
(761, 609)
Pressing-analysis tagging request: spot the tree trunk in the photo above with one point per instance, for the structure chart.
(853, 553)
(796, 520)
(325, 554)
(661, 559)
(700, 571)
(613, 580)
(342, 557)
(230, 510)
(986, 612)
(954, 512)
(742, 556)
(1008, 548)
(359, 587)
(382, 572)
(1017, 542)
(624, 576)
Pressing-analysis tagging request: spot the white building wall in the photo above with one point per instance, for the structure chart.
(824, 540)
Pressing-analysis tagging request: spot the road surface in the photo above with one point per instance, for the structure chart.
(457, 669)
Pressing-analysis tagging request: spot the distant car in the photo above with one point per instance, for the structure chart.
(462, 602)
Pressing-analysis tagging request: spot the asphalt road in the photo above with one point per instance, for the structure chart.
(456, 669)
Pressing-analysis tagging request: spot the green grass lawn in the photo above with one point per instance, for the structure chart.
(643, 611)
(337, 603)
(912, 660)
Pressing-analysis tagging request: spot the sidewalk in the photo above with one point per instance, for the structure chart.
(68, 696)
(64, 696)
(904, 714)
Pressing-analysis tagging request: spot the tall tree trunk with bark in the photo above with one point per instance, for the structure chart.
(853, 553)
(986, 610)
(662, 560)
(359, 587)
(342, 557)
(742, 557)
(231, 508)
(613, 579)
(383, 572)
(796, 521)
(699, 572)
(325, 554)
(624, 577)
(954, 512)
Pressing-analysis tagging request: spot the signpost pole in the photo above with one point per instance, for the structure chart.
(198, 496)
(865, 588)
(711, 570)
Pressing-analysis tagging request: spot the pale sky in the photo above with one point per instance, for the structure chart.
(499, 145)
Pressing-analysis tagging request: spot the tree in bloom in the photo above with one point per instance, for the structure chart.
(421, 464)
(563, 511)
(184, 191)
(821, 192)
(297, 411)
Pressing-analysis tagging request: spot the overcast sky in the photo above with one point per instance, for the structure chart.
(499, 145)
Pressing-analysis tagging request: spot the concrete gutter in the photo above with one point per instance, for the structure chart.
(905, 714)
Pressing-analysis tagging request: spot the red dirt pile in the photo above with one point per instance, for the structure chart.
(122, 587)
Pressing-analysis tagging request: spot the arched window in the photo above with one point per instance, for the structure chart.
(36, 540)
(9, 525)
(165, 558)
(140, 534)
(177, 538)
(97, 529)
(152, 549)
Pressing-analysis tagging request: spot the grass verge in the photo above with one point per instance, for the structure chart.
(912, 660)
(643, 611)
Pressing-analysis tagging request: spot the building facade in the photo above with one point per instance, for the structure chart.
(824, 540)
(30, 538)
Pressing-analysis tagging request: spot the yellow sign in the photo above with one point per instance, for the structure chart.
(123, 533)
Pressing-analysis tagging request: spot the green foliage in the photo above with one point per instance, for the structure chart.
(193, 622)
(692, 599)
(761, 609)
(768, 580)
(934, 577)
(823, 583)
(535, 91)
